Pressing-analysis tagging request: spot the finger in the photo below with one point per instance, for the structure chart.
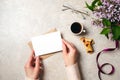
(64, 48)
(33, 52)
(41, 66)
(30, 59)
(37, 63)
(67, 44)
(72, 45)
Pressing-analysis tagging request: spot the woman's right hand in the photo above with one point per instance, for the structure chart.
(70, 53)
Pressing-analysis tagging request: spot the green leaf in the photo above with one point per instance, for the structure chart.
(94, 4)
(105, 31)
(116, 32)
(89, 7)
(106, 22)
(107, 36)
(99, 3)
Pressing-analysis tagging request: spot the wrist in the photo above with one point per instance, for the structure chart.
(36, 79)
(70, 63)
(27, 78)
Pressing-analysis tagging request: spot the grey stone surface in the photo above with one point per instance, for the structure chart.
(22, 19)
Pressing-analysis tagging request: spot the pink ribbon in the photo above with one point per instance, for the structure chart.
(100, 67)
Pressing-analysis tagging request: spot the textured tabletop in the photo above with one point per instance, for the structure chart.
(22, 19)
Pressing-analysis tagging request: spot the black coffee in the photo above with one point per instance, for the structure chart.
(76, 27)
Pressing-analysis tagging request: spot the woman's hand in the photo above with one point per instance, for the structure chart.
(70, 53)
(32, 67)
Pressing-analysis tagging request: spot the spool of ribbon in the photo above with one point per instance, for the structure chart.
(100, 67)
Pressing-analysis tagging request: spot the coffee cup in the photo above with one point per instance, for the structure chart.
(77, 28)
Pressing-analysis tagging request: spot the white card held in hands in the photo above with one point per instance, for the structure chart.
(47, 43)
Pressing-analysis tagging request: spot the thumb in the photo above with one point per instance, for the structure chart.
(64, 48)
(37, 63)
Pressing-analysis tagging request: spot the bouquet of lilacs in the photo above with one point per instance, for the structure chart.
(108, 16)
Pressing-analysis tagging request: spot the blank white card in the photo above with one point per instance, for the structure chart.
(47, 43)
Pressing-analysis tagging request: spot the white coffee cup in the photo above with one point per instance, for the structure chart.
(77, 28)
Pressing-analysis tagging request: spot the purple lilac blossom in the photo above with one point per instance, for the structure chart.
(110, 9)
(98, 23)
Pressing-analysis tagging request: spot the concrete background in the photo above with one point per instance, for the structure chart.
(22, 19)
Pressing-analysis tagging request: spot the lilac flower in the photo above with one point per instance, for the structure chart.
(110, 9)
(97, 23)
